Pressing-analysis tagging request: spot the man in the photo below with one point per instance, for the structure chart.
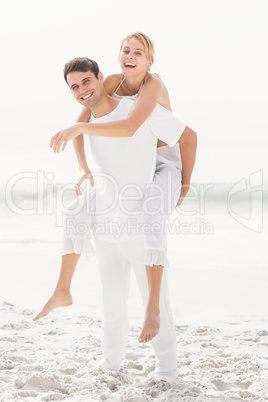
(126, 167)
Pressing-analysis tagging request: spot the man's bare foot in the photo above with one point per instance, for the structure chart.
(58, 299)
(151, 324)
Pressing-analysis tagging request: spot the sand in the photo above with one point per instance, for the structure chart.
(56, 359)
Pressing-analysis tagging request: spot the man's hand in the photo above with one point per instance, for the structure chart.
(86, 175)
(184, 190)
(63, 137)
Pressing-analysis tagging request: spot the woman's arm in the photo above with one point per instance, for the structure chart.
(140, 111)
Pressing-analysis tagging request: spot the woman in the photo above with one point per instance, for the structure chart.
(136, 58)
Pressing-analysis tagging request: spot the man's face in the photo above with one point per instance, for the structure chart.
(85, 87)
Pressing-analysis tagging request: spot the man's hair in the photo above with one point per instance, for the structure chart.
(145, 40)
(81, 64)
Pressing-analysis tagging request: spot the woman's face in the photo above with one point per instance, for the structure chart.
(133, 59)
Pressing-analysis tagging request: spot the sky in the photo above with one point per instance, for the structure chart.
(211, 54)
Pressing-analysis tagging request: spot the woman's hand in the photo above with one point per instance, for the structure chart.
(63, 137)
(184, 190)
(86, 174)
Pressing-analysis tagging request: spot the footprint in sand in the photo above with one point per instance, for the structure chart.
(134, 365)
(225, 386)
(28, 394)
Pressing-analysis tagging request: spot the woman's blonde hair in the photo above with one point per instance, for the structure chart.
(145, 40)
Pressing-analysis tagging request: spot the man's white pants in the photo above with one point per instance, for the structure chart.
(115, 262)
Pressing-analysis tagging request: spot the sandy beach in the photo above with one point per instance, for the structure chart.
(56, 360)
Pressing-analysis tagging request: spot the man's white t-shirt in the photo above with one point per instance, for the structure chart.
(125, 166)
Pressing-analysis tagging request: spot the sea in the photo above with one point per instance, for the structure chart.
(217, 238)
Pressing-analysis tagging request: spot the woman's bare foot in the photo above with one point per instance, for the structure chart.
(151, 324)
(58, 299)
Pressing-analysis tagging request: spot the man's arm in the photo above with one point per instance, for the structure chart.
(170, 130)
(79, 148)
(78, 142)
(188, 146)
